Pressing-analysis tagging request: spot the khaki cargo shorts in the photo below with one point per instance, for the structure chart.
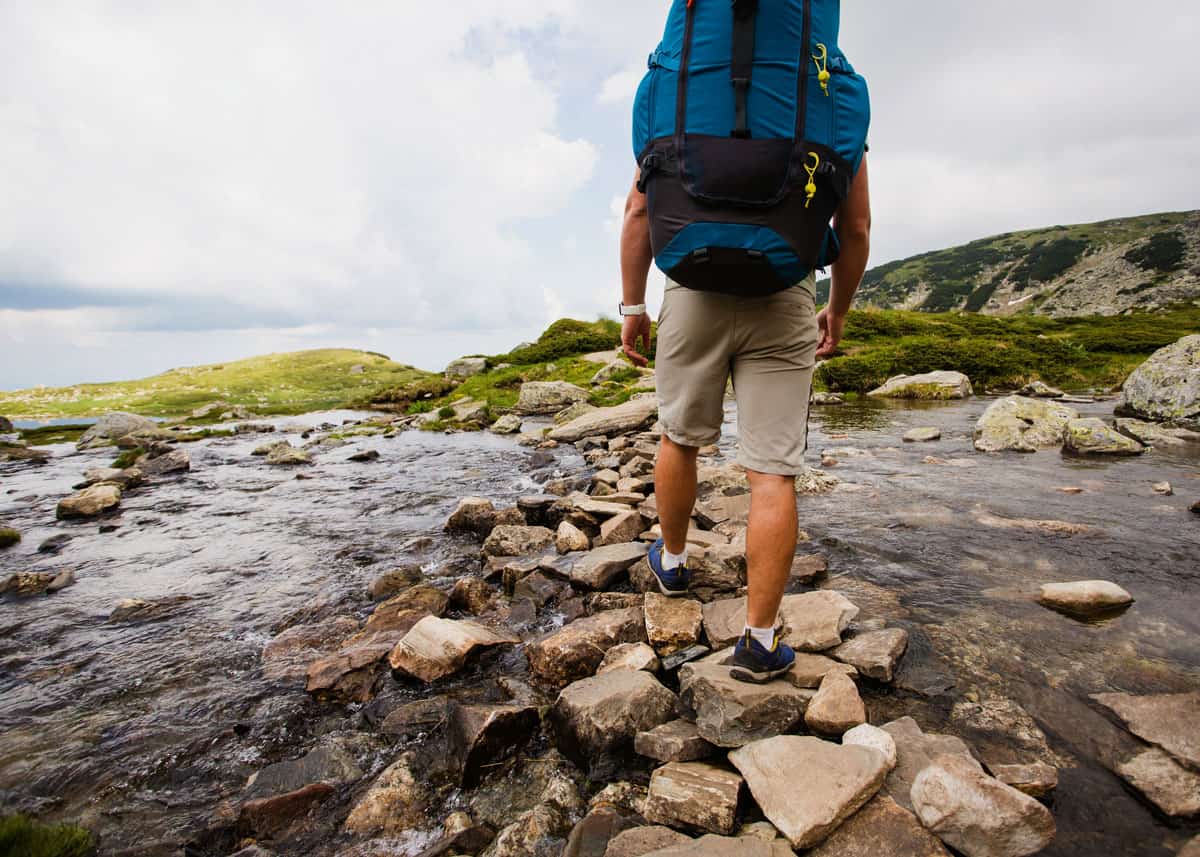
(768, 346)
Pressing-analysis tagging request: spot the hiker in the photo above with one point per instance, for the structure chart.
(740, 221)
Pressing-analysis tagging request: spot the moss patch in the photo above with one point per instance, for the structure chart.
(22, 836)
(128, 458)
(8, 537)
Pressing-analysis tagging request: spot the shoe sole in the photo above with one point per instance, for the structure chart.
(670, 593)
(743, 674)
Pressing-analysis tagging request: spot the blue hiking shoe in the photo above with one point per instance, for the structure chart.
(673, 582)
(754, 663)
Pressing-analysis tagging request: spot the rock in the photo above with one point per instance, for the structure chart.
(507, 424)
(711, 845)
(540, 590)
(808, 567)
(436, 648)
(866, 735)
(267, 817)
(36, 582)
(930, 385)
(112, 427)
(838, 781)
(977, 814)
(482, 735)
(837, 707)
(1092, 436)
(1167, 386)
(6, 426)
(621, 528)
(90, 502)
(472, 595)
(882, 828)
(472, 515)
(1172, 721)
(874, 653)
(1084, 597)
(1036, 780)
(924, 434)
(1191, 849)
(672, 662)
(694, 795)
(365, 456)
(672, 623)
(140, 610)
(465, 367)
(517, 540)
(570, 539)
(392, 582)
(599, 717)
(724, 621)
(599, 568)
(9, 537)
(590, 837)
(1040, 390)
(414, 718)
(916, 750)
(628, 417)
(1157, 435)
(1164, 782)
(330, 764)
(402, 611)
(814, 621)
(641, 841)
(809, 670)
(1163, 489)
(1022, 425)
(822, 399)
(576, 650)
(396, 802)
(175, 461)
(285, 455)
(348, 675)
(676, 741)
(606, 372)
(548, 397)
(732, 713)
(629, 656)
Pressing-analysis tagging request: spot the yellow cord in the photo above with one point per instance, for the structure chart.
(821, 61)
(811, 187)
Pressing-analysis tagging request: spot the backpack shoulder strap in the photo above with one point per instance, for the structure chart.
(741, 67)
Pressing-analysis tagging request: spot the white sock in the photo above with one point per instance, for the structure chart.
(673, 560)
(765, 636)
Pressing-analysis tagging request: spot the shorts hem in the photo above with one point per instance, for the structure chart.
(681, 439)
(771, 467)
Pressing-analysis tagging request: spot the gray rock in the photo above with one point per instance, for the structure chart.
(814, 621)
(693, 795)
(866, 735)
(331, 765)
(821, 399)
(1093, 436)
(175, 461)
(1172, 721)
(507, 424)
(676, 741)
(1164, 782)
(576, 650)
(548, 397)
(1036, 779)
(838, 781)
(1021, 424)
(916, 750)
(414, 718)
(517, 540)
(930, 385)
(641, 841)
(1167, 386)
(112, 427)
(628, 417)
(90, 502)
(874, 653)
(732, 713)
(1040, 390)
(1156, 434)
(629, 656)
(882, 828)
(977, 814)
(599, 568)
(436, 648)
(836, 708)
(724, 621)
(283, 454)
(465, 367)
(924, 434)
(1084, 598)
(600, 716)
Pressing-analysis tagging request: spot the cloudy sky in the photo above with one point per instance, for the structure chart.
(186, 182)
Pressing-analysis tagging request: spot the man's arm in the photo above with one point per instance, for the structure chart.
(853, 225)
(636, 257)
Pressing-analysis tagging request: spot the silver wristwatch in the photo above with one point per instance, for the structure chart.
(631, 309)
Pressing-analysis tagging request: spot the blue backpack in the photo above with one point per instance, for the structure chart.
(748, 128)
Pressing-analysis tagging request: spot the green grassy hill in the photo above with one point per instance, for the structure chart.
(272, 384)
(1105, 268)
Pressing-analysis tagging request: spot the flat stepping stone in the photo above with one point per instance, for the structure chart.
(815, 621)
(924, 434)
(672, 624)
(1084, 598)
(694, 795)
(1172, 721)
(436, 648)
(874, 653)
(731, 713)
(677, 741)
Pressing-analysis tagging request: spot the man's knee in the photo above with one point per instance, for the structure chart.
(679, 448)
(770, 482)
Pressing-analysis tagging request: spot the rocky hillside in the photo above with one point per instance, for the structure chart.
(1102, 268)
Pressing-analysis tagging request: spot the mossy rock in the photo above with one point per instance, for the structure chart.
(22, 836)
(8, 537)
(128, 458)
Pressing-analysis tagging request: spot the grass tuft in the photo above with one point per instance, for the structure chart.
(20, 835)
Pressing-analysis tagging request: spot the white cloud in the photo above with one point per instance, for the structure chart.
(620, 88)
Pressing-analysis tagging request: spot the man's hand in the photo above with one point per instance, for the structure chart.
(633, 328)
(830, 326)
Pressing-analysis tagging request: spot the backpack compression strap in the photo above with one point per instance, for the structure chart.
(745, 15)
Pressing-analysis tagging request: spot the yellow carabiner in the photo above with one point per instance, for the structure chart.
(811, 187)
(821, 61)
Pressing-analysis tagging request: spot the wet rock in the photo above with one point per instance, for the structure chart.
(288, 654)
(472, 595)
(866, 735)
(837, 707)
(1164, 782)
(90, 502)
(112, 427)
(823, 399)
(1084, 597)
(807, 568)
(414, 718)
(140, 610)
(483, 735)
(401, 612)
(814, 621)
(55, 544)
(285, 455)
(623, 527)
(1036, 780)
(364, 456)
(599, 568)
(507, 424)
(874, 653)
(36, 582)
(392, 582)
(599, 717)
(548, 397)
(540, 590)
(436, 648)
(1093, 436)
(676, 741)
(175, 461)
(1022, 425)
(809, 670)
(576, 650)
(9, 537)
(6, 425)
(915, 751)
(693, 795)
(465, 367)
(629, 656)
(1040, 390)
(977, 814)
(882, 828)
(514, 540)
(349, 674)
(331, 765)
(672, 623)
(395, 802)
(591, 836)
(838, 780)
(622, 419)
(1163, 489)
(1157, 435)
(1172, 721)
(924, 434)
(930, 385)
(472, 515)
(674, 661)
(641, 841)
(538, 832)
(731, 713)
(1167, 386)
(270, 816)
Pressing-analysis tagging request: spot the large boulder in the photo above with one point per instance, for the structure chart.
(599, 717)
(732, 713)
(472, 515)
(635, 414)
(1171, 720)
(576, 650)
(838, 780)
(1166, 388)
(548, 397)
(465, 367)
(1093, 436)
(1157, 434)
(977, 814)
(1084, 598)
(930, 385)
(1022, 424)
(112, 427)
(915, 751)
(814, 621)
(90, 502)
(882, 828)
(693, 795)
(435, 647)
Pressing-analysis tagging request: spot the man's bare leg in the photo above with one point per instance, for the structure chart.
(675, 492)
(770, 545)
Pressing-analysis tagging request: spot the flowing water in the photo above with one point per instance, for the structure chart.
(141, 730)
